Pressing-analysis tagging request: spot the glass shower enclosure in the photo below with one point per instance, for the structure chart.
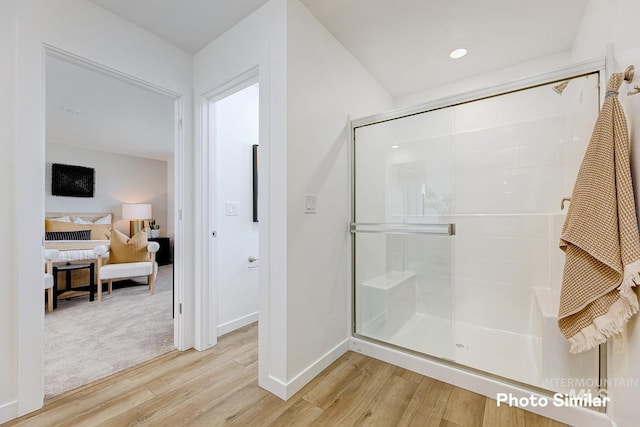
(456, 222)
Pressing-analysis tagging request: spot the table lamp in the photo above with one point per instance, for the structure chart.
(136, 213)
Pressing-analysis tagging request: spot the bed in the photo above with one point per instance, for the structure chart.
(75, 235)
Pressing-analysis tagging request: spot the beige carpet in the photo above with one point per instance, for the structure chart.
(85, 341)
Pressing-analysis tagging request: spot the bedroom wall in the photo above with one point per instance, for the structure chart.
(119, 179)
(26, 27)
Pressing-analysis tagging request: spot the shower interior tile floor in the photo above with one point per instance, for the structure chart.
(468, 344)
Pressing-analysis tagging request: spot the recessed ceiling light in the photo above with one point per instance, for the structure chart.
(394, 146)
(458, 53)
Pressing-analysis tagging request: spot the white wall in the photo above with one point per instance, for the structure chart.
(304, 106)
(8, 304)
(236, 130)
(258, 41)
(325, 85)
(70, 25)
(604, 22)
(118, 179)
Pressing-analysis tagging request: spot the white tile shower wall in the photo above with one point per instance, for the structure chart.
(431, 257)
(499, 306)
(528, 105)
(510, 160)
(580, 103)
(575, 137)
(420, 180)
(514, 162)
(516, 169)
(395, 252)
(370, 262)
(373, 144)
(521, 152)
(498, 260)
(371, 249)
(556, 255)
(371, 252)
(512, 249)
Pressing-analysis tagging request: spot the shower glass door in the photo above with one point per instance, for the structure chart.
(403, 232)
(457, 218)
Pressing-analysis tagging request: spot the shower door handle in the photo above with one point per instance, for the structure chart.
(384, 228)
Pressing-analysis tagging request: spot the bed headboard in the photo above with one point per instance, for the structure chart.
(86, 216)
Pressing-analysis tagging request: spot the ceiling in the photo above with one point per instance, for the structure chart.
(95, 111)
(189, 24)
(405, 44)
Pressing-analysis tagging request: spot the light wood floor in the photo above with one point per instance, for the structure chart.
(219, 387)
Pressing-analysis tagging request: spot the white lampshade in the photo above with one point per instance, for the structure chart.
(136, 211)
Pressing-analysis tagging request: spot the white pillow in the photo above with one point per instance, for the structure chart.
(78, 220)
(104, 220)
(61, 219)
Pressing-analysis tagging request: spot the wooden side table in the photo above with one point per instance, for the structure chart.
(68, 268)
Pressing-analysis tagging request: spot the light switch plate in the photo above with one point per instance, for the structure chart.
(310, 203)
(232, 209)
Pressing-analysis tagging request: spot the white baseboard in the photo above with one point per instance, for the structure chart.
(274, 385)
(477, 383)
(225, 328)
(8, 411)
(285, 390)
(314, 369)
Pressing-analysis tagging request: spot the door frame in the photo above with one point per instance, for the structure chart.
(208, 298)
(30, 168)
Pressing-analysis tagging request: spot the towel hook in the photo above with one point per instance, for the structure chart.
(628, 77)
(628, 73)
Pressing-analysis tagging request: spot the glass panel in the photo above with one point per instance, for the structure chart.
(488, 296)
(403, 255)
(516, 157)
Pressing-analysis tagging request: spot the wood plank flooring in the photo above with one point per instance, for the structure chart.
(219, 387)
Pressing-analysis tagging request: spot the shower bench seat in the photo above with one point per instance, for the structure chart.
(391, 301)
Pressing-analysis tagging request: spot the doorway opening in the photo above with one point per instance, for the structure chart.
(128, 133)
(233, 214)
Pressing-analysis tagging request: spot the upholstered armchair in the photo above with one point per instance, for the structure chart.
(50, 256)
(124, 270)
